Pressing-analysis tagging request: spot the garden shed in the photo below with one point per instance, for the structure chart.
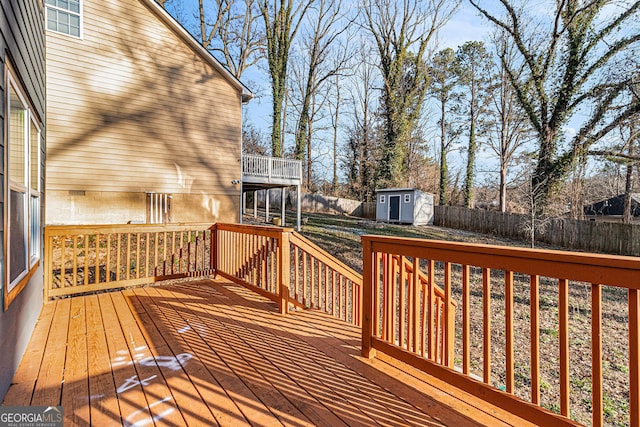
(404, 206)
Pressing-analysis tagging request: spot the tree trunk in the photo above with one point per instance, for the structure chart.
(443, 156)
(628, 184)
(503, 186)
(276, 131)
(471, 160)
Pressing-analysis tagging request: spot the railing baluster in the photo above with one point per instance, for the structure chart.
(563, 320)
(96, 271)
(534, 305)
(326, 287)
(296, 276)
(596, 354)
(508, 311)
(107, 270)
(448, 329)
(312, 280)
(74, 276)
(137, 255)
(305, 280)
(128, 260)
(402, 303)
(118, 256)
(634, 357)
(431, 309)
(486, 322)
(466, 321)
(86, 259)
(415, 309)
(376, 293)
(390, 300)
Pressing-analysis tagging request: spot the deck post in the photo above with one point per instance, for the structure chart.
(266, 205)
(214, 249)
(243, 202)
(255, 204)
(367, 305)
(284, 261)
(298, 203)
(282, 205)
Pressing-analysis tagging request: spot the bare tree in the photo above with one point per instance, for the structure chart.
(403, 31)
(444, 77)
(508, 126)
(229, 29)
(359, 153)
(282, 21)
(474, 66)
(325, 25)
(572, 65)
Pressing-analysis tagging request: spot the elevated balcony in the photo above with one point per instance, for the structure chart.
(432, 333)
(261, 172)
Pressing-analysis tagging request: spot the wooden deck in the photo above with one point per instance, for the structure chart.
(209, 352)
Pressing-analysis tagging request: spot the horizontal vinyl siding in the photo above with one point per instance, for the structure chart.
(22, 30)
(22, 44)
(133, 108)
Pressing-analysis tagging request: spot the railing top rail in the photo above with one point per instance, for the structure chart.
(258, 156)
(305, 244)
(614, 270)
(71, 230)
(260, 230)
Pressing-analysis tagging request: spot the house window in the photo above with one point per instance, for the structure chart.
(381, 198)
(23, 213)
(63, 16)
(407, 198)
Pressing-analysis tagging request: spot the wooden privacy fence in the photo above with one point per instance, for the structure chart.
(398, 315)
(82, 259)
(285, 267)
(593, 236)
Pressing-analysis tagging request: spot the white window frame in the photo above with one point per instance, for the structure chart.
(33, 244)
(68, 11)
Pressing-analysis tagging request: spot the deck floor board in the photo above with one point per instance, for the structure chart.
(209, 352)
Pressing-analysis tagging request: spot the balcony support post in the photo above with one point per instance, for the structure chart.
(255, 204)
(282, 205)
(298, 208)
(266, 205)
(243, 202)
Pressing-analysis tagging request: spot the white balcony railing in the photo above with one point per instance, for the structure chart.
(271, 167)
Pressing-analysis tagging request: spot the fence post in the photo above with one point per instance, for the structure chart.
(367, 299)
(284, 263)
(214, 249)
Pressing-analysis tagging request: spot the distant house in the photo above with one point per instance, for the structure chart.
(404, 206)
(612, 209)
(144, 124)
(22, 121)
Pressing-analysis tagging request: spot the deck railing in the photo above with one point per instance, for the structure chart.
(548, 292)
(285, 267)
(271, 167)
(82, 259)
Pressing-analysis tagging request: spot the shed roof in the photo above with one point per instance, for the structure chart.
(393, 190)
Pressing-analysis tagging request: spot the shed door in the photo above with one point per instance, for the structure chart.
(394, 208)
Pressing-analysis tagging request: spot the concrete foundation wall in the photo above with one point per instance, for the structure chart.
(68, 207)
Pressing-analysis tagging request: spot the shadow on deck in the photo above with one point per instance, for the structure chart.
(209, 352)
